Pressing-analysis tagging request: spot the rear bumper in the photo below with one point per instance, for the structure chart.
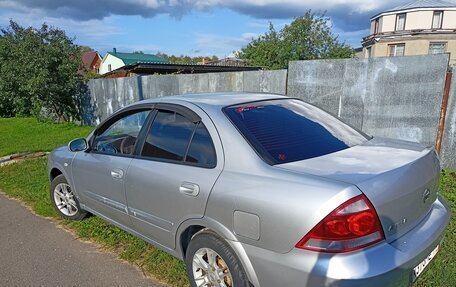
(384, 264)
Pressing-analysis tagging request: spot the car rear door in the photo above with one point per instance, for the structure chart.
(99, 173)
(173, 173)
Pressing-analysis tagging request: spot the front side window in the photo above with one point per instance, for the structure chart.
(173, 137)
(290, 130)
(437, 20)
(396, 50)
(437, 48)
(120, 138)
(400, 22)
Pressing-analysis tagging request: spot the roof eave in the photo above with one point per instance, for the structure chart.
(411, 10)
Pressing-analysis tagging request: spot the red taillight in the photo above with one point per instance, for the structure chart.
(351, 226)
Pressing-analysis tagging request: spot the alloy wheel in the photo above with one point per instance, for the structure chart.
(64, 199)
(210, 270)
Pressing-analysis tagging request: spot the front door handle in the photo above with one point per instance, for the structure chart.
(189, 188)
(117, 173)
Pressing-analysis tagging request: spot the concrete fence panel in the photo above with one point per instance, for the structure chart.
(405, 96)
(389, 97)
(448, 153)
(338, 86)
(106, 96)
(265, 81)
(396, 97)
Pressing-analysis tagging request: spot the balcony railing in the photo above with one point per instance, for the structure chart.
(408, 33)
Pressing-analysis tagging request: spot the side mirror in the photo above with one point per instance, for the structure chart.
(78, 145)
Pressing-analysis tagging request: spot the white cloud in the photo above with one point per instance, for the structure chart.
(85, 9)
(93, 28)
(148, 49)
(91, 19)
(219, 42)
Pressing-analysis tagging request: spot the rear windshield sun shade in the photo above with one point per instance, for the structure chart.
(288, 130)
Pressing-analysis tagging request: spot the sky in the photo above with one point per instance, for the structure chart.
(186, 27)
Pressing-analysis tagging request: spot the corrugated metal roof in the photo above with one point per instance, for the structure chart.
(422, 4)
(131, 58)
(170, 68)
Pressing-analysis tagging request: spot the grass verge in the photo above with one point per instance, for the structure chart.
(442, 270)
(19, 135)
(28, 181)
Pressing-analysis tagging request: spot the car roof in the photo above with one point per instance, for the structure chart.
(216, 99)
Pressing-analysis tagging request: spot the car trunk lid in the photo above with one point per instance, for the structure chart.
(399, 178)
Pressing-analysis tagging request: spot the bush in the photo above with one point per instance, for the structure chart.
(38, 71)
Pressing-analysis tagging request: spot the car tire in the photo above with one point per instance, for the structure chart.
(64, 200)
(224, 269)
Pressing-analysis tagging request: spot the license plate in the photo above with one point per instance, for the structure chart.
(420, 267)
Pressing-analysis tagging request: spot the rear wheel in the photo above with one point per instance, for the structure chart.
(211, 262)
(64, 200)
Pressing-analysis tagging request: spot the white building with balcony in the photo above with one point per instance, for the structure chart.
(416, 28)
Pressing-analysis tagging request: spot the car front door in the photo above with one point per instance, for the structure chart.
(99, 173)
(171, 178)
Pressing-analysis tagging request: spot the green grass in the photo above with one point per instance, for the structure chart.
(28, 181)
(442, 271)
(19, 135)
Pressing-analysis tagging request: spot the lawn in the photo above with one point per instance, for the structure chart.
(28, 181)
(19, 135)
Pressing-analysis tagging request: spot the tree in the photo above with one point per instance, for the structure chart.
(85, 49)
(186, 59)
(308, 37)
(39, 70)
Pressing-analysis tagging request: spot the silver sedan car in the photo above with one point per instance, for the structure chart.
(258, 190)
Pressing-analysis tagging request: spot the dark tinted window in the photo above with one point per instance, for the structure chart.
(290, 130)
(168, 137)
(201, 150)
(120, 137)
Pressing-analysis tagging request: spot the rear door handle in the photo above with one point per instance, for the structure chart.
(117, 173)
(189, 188)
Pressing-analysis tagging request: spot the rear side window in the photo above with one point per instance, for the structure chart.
(201, 150)
(290, 130)
(168, 137)
(173, 137)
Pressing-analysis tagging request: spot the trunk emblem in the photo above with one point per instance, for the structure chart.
(426, 195)
(397, 224)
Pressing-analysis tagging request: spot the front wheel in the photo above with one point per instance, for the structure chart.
(64, 200)
(211, 262)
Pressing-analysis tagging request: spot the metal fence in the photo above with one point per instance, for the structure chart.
(398, 97)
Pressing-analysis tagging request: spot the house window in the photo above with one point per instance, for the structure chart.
(437, 48)
(376, 24)
(369, 52)
(109, 68)
(400, 22)
(437, 20)
(396, 50)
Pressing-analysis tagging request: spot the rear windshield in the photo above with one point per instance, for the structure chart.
(290, 130)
